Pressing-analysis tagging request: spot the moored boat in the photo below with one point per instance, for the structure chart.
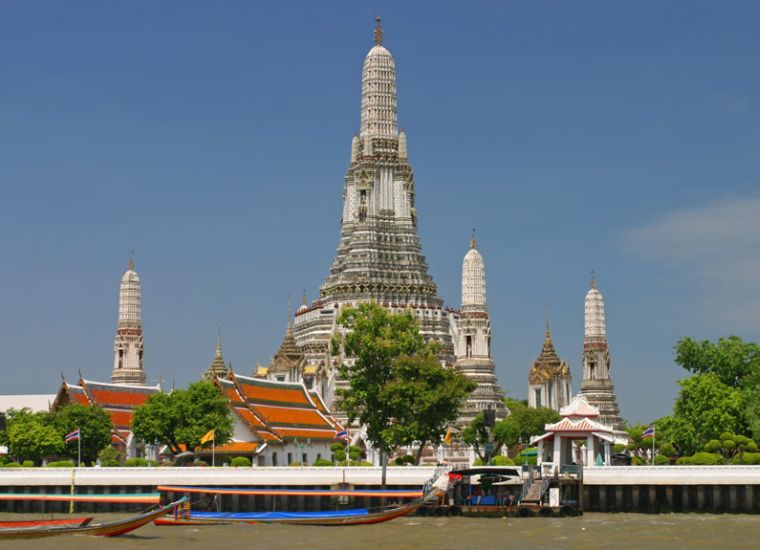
(43, 522)
(108, 529)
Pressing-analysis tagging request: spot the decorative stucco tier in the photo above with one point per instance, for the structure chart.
(597, 385)
(472, 328)
(128, 344)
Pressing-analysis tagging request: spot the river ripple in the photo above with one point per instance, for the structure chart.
(592, 531)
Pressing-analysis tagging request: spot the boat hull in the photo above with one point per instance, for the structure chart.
(73, 522)
(109, 529)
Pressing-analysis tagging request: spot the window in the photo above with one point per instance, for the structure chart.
(468, 346)
(290, 458)
(304, 459)
(592, 370)
(274, 459)
(538, 397)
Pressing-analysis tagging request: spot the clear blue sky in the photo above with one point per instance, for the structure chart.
(212, 138)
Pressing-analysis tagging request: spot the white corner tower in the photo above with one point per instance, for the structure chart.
(128, 346)
(597, 385)
(473, 349)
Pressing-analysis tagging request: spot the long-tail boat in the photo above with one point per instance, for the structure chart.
(42, 522)
(356, 516)
(108, 529)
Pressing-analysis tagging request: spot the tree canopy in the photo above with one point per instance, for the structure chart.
(736, 363)
(374, 338)
(522, 423)
(31, 435)
(425, 398)
(705, 408)
(396, 387)
(95, 429)
(182, 417)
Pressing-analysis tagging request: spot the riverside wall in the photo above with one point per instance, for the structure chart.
(647, 489)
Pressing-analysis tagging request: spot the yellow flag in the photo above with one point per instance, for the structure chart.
(208, 437)
(447, 437)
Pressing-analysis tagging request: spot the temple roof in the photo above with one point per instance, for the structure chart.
(118, 400)
(289, 355)
(548, 365)
(275, 411)
(217, 367)
(579, 407)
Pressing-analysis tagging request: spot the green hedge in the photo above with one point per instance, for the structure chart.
(322, 462)
(61, 464)
(240, 462)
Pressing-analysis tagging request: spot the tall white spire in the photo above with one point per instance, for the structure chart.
(473, 279)
(595, 327)
(128, 345)
(379, 90)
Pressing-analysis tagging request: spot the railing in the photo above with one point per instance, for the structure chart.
(544, 486)
(525, 488)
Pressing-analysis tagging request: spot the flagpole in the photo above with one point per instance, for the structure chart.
(213, 451)
(654, 439)
(79, 448)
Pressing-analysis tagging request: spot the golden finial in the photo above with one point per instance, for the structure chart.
(378, 31)
(546, 314)
(290, 310)
(593, 279)
(304, 301)
(473, 240)
(131, 260)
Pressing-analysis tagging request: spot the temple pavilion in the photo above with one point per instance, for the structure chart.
(577, 438)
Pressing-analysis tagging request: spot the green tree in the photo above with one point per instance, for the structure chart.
(32, 436)
(425, 398)
(94, 425)
(732, 360)
(373, 340)
(183, 417)
(705, 408)
(528, 421)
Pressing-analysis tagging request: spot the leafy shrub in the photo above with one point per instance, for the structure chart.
(521, 458)
(110, 457)
(636, 461)
(502, 460)
(619, 447)
(296, 464)
(360, 463)
(12, 465)
(661, 460)
(477, 462)
(404, 460)
(27, 464)
(667, 449)
(240, 462)
(322, 462)
(685, 461)
(61, 464)
(136, 462)
(747, 458)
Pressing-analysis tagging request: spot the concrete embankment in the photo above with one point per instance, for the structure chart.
(663, 489)
(652, 489)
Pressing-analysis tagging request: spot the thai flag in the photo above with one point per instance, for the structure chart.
(343, 434)
(73, 436)
(649, 432)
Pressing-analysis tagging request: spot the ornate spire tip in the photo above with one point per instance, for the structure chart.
(131, 260)
(473, 240)
(378, 31)
(593, 279)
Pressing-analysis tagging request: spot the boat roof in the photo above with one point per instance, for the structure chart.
(493, 470)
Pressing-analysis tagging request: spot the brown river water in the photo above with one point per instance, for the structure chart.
(591, 531)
